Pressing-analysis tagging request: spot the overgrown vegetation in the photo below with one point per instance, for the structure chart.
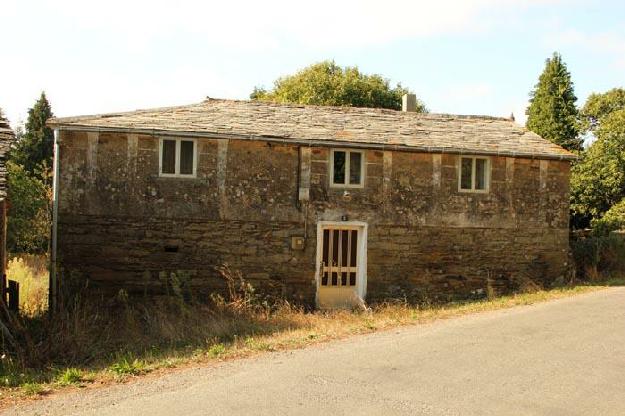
(598, 178)
(31, 272)
(599, 258)
(29, 215)
(29, 183)
(121, 338)
(612, 220)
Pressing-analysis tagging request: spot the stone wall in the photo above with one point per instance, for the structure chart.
(123, 226)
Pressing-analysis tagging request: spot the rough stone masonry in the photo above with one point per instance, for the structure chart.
(122, 225)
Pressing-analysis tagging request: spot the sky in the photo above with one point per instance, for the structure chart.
(460, 57)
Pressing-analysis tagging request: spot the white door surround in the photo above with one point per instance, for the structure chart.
(341, 283)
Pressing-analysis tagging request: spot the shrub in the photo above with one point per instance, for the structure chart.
(29, 217)
(599, 257)
(32, 274)
(613, 219)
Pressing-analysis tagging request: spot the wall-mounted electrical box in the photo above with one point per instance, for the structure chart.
(297, 243)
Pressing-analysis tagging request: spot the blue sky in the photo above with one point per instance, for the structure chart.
(466, 57)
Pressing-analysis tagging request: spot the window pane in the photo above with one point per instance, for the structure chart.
(480, 173)
(355, 165)
(186, 157)
(168, 163)
(339, 167)
(465, 173)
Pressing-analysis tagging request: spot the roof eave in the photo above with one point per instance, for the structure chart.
(308, 142)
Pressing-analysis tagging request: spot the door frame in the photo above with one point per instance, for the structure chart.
(361, 276)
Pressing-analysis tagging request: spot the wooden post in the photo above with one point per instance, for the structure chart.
(14, 296)
(3, 289)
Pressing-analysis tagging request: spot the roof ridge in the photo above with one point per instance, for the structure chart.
(357, 109)
(345, 108)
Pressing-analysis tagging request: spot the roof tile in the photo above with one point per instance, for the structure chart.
(366, 127)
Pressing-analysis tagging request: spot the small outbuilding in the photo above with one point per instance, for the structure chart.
(324, 205)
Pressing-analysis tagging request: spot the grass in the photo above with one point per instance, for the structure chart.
(32, 389)
(149, 337)
(127, 366)
(71, 376)
(216, 350)
(31, 271)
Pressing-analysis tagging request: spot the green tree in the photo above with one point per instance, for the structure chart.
(34, 148)
(29, 218)
(613, 219)
(598, 179)
(598, 106)
(552, 113)
(326, 83)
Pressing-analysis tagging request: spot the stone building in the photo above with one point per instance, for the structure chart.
(325, 205)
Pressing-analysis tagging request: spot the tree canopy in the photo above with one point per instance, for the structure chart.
(28, 172)
(29, 217)
(598, 179)
(326, 83)
(552, 113)
(598, 106)
(34, 147)
(613, 219)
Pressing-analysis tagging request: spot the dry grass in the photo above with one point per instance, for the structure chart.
(91, 343)
(31, 271)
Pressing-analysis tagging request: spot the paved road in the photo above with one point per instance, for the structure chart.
(566, 357)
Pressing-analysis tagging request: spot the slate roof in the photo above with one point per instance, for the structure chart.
(329, 126)
(6, 139)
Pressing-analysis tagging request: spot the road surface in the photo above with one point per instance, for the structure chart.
(565, 357)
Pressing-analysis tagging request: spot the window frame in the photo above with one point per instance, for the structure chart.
(363, 163)
(487, 174)
(177, 173)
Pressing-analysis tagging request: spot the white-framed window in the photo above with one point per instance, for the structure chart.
(474, 174)
(347, 168)
(177, 157)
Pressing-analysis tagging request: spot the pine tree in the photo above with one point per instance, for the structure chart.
(552, 113)
(35, 146)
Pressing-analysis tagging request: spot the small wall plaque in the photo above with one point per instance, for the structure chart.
(297, 243)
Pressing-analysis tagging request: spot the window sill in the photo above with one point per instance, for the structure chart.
(339, 186)
(473, 192)
(173, 176)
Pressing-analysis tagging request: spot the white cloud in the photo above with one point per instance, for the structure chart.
(121, 54)
(266, 23)
(607, 43)
(463, 96)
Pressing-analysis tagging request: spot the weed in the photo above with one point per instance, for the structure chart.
(369, 325)
(599, 257)
(70, 376)
(126, 366)
(31, 272)
(32, 389)
(216, 350)
(165, 332)
(257, 345)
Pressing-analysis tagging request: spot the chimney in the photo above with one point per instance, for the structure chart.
(409, 102)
